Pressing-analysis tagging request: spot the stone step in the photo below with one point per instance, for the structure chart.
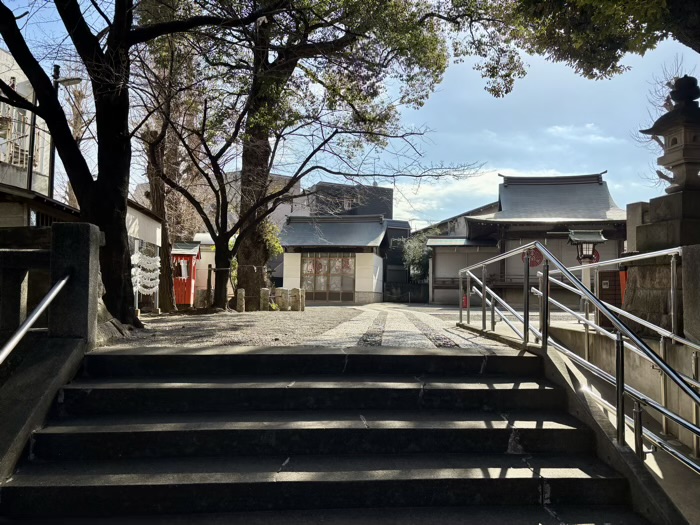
(211, 394)
(295, 433)
(474, 515)
(309, 360)
(215, 484)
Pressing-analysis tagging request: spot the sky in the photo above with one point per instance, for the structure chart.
(554, 122)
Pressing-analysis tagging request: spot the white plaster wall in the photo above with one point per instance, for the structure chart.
(448, 261)
(291, 277)
(142, 226)
(368, 273)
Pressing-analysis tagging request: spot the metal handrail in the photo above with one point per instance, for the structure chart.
(602, 331)
(661, 331)
(500, 314)
(653, 438)
(617, 323)
(628, 258)
(623, 331)
(11, 343)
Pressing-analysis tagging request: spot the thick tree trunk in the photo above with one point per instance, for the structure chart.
(155, 144)
(107, 203)
(223, 259)
(252, 254)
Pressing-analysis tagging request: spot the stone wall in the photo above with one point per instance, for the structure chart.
(648, 293)
(368, 297)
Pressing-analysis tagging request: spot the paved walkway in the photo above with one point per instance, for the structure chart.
(388, 324)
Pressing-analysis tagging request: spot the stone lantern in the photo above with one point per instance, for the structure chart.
(680, 129)
(674, 219)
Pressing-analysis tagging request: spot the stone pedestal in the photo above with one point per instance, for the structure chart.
(283, 301)
(240, 300)
(303, 299)
(672, 220)
(264, 299)
(295, 297)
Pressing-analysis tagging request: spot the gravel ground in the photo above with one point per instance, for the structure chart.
(232, 328)
(382, 324)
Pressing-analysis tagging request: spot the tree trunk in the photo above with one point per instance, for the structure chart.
(252, 254)
(155, 144)
(222, 257)
(106, 205)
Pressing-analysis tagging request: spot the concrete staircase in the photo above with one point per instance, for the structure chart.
(364, 435)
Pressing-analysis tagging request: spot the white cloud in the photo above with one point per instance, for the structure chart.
(428, 203)
(587, 134)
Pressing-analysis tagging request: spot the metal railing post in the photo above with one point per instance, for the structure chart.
(596, 286)
(586, 329)
(696, 407)
(493, 314)
(469, 297)
(483, 298)
(637, 416)
(545, 306)
(526, 298)
(664, 385)
(461, 297)
(620, 386)
(674, 296)
(540, 303)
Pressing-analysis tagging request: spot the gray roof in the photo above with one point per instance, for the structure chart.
(185, 248)
(349, 231)
(588, 236)
(581, 198)
(458, 241)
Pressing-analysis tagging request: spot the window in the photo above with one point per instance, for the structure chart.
(328, 276)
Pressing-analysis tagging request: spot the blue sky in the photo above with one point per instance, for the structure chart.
(553, 123)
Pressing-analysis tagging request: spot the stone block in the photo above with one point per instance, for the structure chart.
(303, 299)
(675, 206)
(691, 292)
(240, 300)
(283, 299)
(75, 250)
(668, 234)
(636, 212)
(264, 299)
(13, 299)
(295, 298)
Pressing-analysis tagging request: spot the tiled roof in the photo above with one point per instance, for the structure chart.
(185, 248)
(582, 198)
(351, 231)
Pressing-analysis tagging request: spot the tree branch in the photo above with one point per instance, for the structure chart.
(143, 34)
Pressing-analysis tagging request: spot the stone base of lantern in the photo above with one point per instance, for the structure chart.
(670, 221)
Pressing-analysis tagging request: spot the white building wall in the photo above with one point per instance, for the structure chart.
(446, 263)
(369, 278)
(143, 227)
(291, 278)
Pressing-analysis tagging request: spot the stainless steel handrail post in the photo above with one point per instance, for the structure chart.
(526, 298)
(469, 296)
(638, 415)
(696, 407)
(674, 295)
(596, 287)
(483, 298)
(664, 386)
(545, 306)
(461, 297)
(493, 314)
(539, 298)
(620, 386)
(586, 329)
